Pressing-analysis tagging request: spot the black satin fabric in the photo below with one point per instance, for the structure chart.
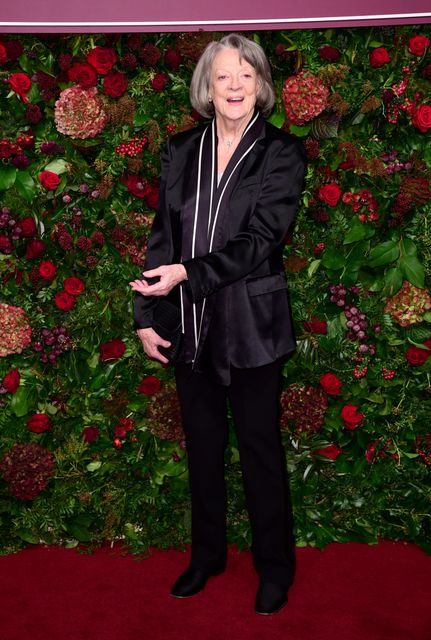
(242, 278)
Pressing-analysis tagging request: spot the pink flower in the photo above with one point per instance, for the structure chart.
(15, 332)
(304, 96)
(79, 113)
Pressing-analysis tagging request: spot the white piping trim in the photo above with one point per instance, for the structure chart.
(198, 336)
(198, 190)
(161, 23)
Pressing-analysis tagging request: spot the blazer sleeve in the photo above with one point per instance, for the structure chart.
(159, 248)
(272, 216)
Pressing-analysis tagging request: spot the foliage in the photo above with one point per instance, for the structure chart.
(75, 213)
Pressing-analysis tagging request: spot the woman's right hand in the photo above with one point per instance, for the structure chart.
(151, 342)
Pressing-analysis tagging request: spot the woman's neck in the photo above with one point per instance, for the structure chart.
(229, 132)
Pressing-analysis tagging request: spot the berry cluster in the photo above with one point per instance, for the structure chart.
(363, 203)
(356, 321)
(16, 149)
(132, 148)
(12, 230)
(52, 343)
(393, 165)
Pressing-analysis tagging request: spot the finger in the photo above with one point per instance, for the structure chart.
(161, 358)
(163, 343)
(152, 272)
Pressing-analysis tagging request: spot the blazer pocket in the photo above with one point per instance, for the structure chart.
(266, 284)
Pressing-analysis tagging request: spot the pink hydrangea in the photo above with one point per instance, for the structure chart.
(27, 469)
(15, 331)
(79, 113)
(304, 96)
(408, 305)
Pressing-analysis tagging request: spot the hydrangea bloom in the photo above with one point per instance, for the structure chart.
(15, 331)
(79, 113)
(27, 468)
(304, 96)
(408, 305)
(304, 406)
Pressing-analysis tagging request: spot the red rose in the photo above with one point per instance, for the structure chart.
(11, 381)
(379, 57)
(172, 59)
(351, 417)
(421, 118)
(316, 326)
(49, 180)
(124, 426)
(331, 384)
(39, 423)
(3, 54)
(20, 83)
(418, 45)
(83, 74)
(153, 197)
(35, 249)
(149, 385)
(331, 54)
(102, 59)
(416, 357)
(112, 350)
(90, 434)
(115, 84)
(74, 286)
(159, 81)
(6, 149)
(329, 193)
(28, 227)
(139, 187)
(331, 451)
(64, 301)
(6, 245)
(47, 270)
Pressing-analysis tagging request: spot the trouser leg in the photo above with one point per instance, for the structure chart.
(254, 397)
(203, 408)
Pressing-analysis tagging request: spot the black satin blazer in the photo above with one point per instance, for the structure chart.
(260, 211)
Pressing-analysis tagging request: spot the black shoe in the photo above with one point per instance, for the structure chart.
(270, 598)
(190, 582)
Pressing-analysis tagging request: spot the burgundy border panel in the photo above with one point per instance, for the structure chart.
(190, 15)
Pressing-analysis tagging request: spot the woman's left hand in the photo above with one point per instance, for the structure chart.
(169, 276)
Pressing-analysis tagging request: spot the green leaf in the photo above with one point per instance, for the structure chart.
(25, 185)
(333, 260)
(7, 176)
(412, 270)
(94, 466)
(325, 127)
(408, 247)
(58, 166)
(427, 316)
(277, 119)
(20, 403)
(358, 231)
(383, 253)
(28, 536)
(393, 281)
(301, 132)
(312, 267)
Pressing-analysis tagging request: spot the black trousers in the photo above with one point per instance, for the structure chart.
(254, 398)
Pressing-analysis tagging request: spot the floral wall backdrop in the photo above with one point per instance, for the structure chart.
(91, 444)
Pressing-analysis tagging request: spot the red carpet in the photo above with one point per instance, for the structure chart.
(346, 592)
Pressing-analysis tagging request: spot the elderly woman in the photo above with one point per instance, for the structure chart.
(228, 194)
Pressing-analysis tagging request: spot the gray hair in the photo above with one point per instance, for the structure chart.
(248, 50)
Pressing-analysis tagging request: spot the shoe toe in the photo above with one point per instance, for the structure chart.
(189, 583)
(270, 598)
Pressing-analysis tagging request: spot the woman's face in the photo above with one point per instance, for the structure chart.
(233, 86)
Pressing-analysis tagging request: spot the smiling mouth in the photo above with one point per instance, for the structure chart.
(235, 100)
